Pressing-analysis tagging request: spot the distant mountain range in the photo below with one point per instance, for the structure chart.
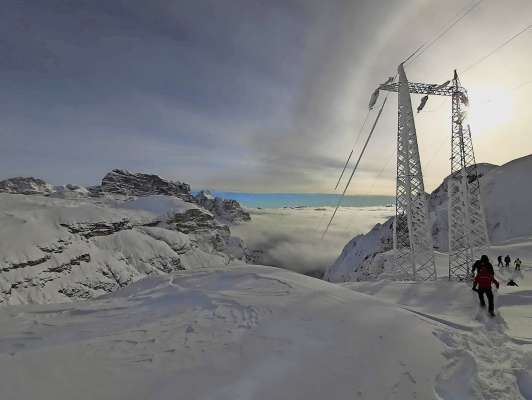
(62, 243)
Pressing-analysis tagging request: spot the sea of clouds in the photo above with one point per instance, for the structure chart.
(292, 238)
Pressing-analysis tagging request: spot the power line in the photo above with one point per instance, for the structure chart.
(488, 55)
(356, 166)
(345, 166)
(389, 160)
(430, 43)
(353, 149)
(496, 49)
(359, 135)
(521, 85)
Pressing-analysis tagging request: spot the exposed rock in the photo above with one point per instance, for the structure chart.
(78, 243)
(68, 266)
(77, 292)
(226, 210)
(25, 185)
(91, 229)
(28, 263)
(137, 184)
(196, 221)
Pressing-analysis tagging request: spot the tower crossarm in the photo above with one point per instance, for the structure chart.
(422, 88)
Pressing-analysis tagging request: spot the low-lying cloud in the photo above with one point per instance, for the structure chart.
(291, 238)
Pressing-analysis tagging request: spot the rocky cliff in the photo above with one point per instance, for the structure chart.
(128, 183)
(64, 243)
(226, 210)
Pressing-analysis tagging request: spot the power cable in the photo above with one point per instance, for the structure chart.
(430, 43)
(488, 55)
(345, 166)
(356, 166)
(353, 149)
(496, 49)
(389, 160)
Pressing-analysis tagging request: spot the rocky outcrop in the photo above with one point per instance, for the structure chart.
(226, 210)
(91, 229)
(55, 249)
(195, 221)
(73, 243)
(198, 222)
(25, 185)
(127, 183)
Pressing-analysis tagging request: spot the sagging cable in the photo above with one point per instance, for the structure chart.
(355, 167)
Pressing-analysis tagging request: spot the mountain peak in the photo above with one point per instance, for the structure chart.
(25, 185)
(121, 181)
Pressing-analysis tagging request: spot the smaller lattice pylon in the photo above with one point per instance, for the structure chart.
(467, 224)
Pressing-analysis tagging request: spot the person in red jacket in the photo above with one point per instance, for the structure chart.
(483, 280)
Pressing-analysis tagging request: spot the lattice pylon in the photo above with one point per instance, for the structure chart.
(467, 224)
(414, 254)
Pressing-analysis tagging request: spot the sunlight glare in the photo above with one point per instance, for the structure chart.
(489, 109)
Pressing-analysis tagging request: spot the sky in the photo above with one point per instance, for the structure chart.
(249, 95)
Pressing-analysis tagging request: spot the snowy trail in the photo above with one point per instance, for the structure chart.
(484, 355)
(485, 358)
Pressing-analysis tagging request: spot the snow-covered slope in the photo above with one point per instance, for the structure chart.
(506, 195)
(249, 332)
(262, 333)
(69, 245)
(487, 358)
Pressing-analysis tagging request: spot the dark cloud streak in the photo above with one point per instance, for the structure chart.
(240, 94)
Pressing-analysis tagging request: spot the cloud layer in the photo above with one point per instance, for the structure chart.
(291, 238)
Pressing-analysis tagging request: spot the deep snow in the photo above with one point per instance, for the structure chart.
(245, 333)
(254, 332)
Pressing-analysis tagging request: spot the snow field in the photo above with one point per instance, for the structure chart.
(244, 333)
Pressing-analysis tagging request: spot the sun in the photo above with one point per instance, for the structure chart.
(489, 109)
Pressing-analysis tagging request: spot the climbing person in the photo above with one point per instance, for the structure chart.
(483, 280)
(484, 261)
(499, 261)
(507, 260)
(517, 263)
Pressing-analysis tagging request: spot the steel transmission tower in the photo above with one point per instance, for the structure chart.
(414, 254)
(467, 226)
